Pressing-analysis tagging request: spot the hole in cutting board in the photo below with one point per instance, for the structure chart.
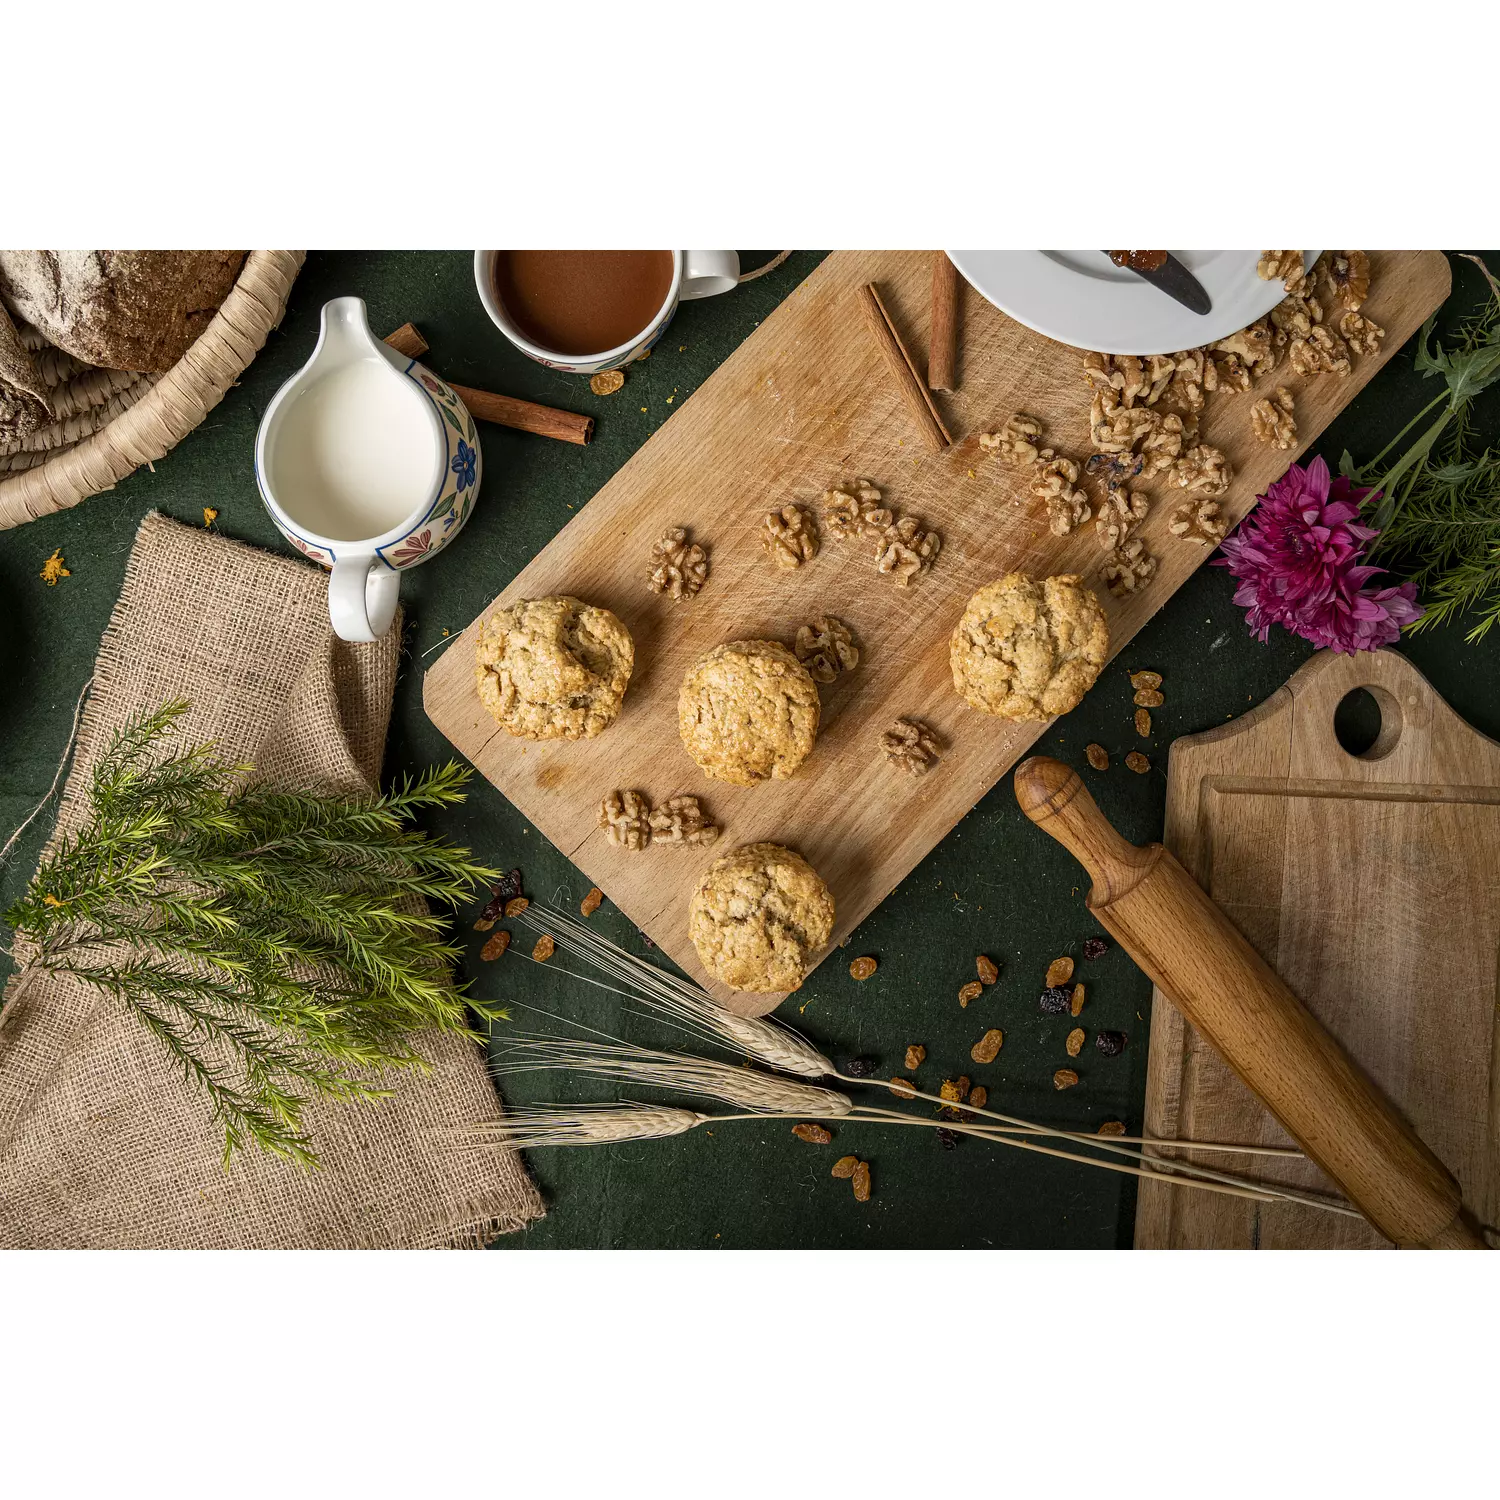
(1367, 723)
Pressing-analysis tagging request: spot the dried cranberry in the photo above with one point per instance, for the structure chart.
(1056, 1000)
(1111, 1043)
(1095, 947)
(860, 1067)
(947, 1139)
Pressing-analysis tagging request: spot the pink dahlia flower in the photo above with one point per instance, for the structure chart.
(1299, 561)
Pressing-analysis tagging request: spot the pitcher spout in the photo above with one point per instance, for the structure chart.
(345, 335)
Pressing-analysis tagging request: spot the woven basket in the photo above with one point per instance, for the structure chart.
(156, 413)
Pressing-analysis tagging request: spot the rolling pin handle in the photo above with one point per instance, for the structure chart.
(1054, 797)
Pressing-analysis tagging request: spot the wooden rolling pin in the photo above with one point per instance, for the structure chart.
(1279, 1049)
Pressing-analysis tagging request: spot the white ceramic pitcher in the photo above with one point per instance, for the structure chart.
(369, 464)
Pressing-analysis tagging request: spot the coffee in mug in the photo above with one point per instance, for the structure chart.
(582, 301)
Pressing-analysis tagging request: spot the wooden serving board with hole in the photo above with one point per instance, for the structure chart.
(806, 402)
(1371, 884)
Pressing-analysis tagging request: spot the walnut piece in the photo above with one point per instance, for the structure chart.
(1018, 442)
(678, 567)
(1193, 374)
(680, 820)
(1273, 419)
(1347, 273)
(826, 648)
(1116, 428)
(906, 550)
(1130, 377)
(1321, 352)
(625, 817)
(1054, 483)
(1122, 511)
(1161, 449)
(790, 536)
(1115, 470)
(1129, 568)
(910, 745)
(1199, 521)
(1362, 335)
(1231, 372)
(1255, 346)
(854, 511)
(1296, 316)
(1203, 468)
(1282, 265)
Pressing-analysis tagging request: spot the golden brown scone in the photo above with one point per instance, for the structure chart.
(748, 711)
(553, 669)
(757, 916)
(1029, 648)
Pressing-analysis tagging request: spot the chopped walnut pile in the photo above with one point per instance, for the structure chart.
(1199, 521)
(678, 567)
(911, 745)
(1360, 333)
(625, 817)
(1203, 468)
(1018, 442)
(1321, 352)
(905, 550)
(1347, 273)
(1273, 419)
(1122, 511)
(1129, 568)
(855, 511)
(680, 820)
(1054, 483)
(826, 648)
(1282, 265)
(790, 536)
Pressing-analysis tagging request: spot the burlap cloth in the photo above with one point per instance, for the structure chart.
(102, 1143)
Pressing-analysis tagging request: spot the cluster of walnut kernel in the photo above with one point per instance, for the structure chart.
(904, 547)
(631, 822)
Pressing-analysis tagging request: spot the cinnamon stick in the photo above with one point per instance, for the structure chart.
(903, 371)
(506, 411)
(942, 338)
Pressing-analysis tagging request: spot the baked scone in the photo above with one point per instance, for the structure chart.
(757, 916)
(553, 669)
(1029, 648)
(748, 711)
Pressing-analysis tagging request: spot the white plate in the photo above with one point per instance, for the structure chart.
(1078, 297)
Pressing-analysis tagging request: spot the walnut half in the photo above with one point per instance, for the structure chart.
(1199, 521)
(1282, 265)
(854, 510)
(678, 568)
(790, 537)
(1129, 568)
(911, 746)
(826, 648)
(1019, 442)
(681, 821)
(625, 817)
(1274, 420)
(905, 550)
(1362, 335)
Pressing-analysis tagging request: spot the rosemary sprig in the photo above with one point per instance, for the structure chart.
(270, 940)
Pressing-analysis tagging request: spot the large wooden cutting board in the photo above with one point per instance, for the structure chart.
(803, 403)
(1371, 884)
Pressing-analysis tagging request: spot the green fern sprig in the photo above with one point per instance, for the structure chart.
(269, 939)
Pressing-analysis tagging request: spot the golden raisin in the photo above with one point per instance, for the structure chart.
(1149, 698)
(1138, 762)
(606, 382)
(987, 1048)
(979, 1096)
(1143, 723)
(862, 1182)
(989, 970)
(1140, 680)
(814, 1135)
(544, 949)
(1064, 1078)
(483, 924)
(1076, 1004)
(495, 946)
(1059, 971)
(844, 1166)
(1074, 1043)
(1111, 1127)
(516, 905)
(971, 991)
(862, 968)
(903, 1088)
(590, 903)
(916, 1055)
(1098, 756)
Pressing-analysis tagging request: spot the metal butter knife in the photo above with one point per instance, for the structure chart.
(1173, 278)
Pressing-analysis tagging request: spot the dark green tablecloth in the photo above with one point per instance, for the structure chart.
(995, 884)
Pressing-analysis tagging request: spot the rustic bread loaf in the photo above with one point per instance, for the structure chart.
(24, 404)
(123, 309)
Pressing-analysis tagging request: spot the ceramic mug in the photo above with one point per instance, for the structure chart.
(695, 273)
(368, 464)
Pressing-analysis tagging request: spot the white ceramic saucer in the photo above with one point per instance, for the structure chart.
(1077, 297)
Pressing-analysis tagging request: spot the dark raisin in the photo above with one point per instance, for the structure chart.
(1056, 1000)
(860, 1067)
(1111, 1043)
(508, 889)
(947, 1139)
(1095, 947)
(949, 1112)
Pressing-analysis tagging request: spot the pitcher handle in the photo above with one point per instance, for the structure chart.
(706, 273)
(362, 596)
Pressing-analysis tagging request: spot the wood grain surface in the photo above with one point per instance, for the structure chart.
(1371, 884)
(804, 403)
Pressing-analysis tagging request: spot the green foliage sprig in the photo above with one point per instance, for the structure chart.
(275, 943)
(1439, 510)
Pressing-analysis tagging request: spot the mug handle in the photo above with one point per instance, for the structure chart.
(706, 273)
(362, 598)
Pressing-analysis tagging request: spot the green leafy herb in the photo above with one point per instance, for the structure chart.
(277, 944)
(1439, 510)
